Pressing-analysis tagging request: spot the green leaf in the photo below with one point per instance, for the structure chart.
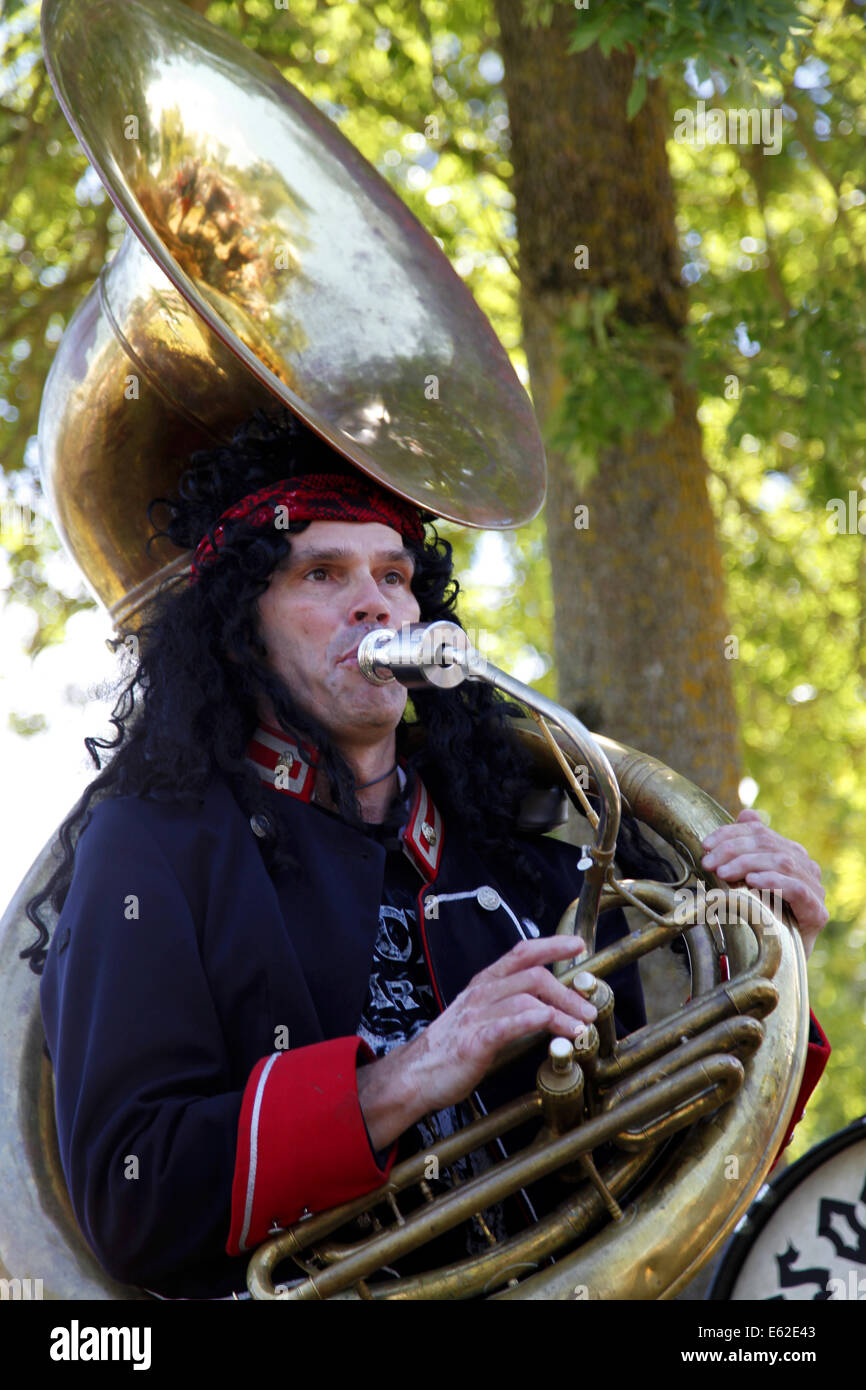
(637, 96)
(587, 32)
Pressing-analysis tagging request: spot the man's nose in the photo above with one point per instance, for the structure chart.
(369, 603)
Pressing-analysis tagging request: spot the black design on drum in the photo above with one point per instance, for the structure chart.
(804, 1238)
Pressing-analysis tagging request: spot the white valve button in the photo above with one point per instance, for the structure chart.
(583, 980)
(560, 1053)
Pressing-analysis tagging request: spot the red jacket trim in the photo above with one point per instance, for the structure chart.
(816, 1060)
(423, 833)
(302, 1140)
(290, 767)
(286, 765)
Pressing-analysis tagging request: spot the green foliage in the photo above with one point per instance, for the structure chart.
(774, 248)
(616, 381)
(751, 35)
(506, 600)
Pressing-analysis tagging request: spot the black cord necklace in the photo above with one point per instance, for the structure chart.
(362, 786)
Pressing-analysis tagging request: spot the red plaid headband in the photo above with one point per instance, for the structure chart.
(314, 497)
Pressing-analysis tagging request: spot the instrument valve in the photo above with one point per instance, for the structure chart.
(560, 1086)
(561, 1053)
(598, 993)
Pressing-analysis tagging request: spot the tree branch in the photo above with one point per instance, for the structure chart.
(756, 167)
(810, 145)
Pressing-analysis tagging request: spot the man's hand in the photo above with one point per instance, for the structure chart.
(515, 996)
(749, 851)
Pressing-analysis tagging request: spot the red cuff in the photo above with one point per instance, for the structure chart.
(302, 1140)
(816, 1061)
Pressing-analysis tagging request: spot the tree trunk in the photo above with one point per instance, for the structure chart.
(640, 643)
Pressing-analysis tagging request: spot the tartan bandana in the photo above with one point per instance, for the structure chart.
(314, 497)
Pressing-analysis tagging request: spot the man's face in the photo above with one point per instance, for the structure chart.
(341, 580)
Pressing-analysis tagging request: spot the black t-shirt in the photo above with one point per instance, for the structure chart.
(401, 1003)
(400, 1000)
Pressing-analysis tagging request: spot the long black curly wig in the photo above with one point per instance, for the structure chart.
(191, 705)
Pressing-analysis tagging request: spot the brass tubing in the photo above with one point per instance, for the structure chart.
(298, 1238)
(565, 769)
(629, 949)
(477, 668)
(699, 943)
(481, 1192)
(638, 944)
(660, 896)
(734, 997)
(646, 893)
(587, 1164)
(741, 1037)
(740, 904)
(481, 1274)
(703, 961)
(724, 1076)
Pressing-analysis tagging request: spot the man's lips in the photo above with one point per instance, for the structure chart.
(351, 655)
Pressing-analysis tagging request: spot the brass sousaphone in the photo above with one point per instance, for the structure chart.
(266, 261)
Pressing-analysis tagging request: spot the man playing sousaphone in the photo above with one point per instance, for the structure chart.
(301, 914)
(292, 938)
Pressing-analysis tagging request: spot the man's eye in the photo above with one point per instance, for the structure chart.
(318, 572)
(396, 574)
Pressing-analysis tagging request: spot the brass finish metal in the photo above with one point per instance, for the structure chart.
(560, 1089)
(267, 261)
(507, 1177)
(601, 996)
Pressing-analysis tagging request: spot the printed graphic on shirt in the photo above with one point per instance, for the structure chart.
(400, 1000)
(400, 1004)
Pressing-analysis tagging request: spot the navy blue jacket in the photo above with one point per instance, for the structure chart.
(178, 966)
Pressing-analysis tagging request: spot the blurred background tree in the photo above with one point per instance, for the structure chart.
(723, 288)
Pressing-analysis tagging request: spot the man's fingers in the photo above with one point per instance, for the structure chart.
(506, 1027)
(541, 950)
(806, 903)
(536, 1018)
(539, 983)
(747, 834)
(736, 863)
(753, 837)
